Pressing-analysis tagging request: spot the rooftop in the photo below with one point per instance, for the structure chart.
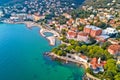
(93, 27)
(83, 34)
(115, 47)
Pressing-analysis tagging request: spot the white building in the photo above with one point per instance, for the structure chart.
(81, 58)
(109, 31)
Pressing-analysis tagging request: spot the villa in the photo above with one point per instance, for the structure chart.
(114, 49)
(97, 65)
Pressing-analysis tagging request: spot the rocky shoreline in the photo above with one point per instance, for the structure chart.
(87, 76)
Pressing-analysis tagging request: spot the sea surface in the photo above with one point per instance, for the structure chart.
(21, 56)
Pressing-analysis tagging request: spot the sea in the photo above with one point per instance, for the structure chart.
(22, 56)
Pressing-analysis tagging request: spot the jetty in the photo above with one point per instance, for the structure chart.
(51, 40)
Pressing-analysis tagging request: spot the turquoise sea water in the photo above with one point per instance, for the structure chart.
(21, 56)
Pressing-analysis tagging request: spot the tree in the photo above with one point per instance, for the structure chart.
(105, 45)
(62, 46)
(118, 28)
(55, 50)
(59, 52)
(63, 31)
(69, 48)
(111, 69)
(84, 48)
(77, 49)
(88, 70)
(117, 77)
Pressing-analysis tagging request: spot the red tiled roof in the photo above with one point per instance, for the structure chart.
(72, 33)
(114, 47)
(74, 28)
(83, 34)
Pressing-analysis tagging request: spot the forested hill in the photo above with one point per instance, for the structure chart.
(103, 3)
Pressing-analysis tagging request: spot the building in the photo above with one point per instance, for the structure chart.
(36, 17)
(67, 15)
(71, 34)
(29, 17)
(102, 38)
(97, 65)
(82, 36)
(93, 31)
(81, 58)
(114, 41)
(70, 22)
(87, 29)
(110, 32)
(114, 49)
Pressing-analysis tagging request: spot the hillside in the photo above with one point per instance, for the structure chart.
(103, 3)
(78, 2)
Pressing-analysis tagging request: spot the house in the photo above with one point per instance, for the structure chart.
(82, 36)
(93, 31)
(87, 29)
(114, 49)
(97, 65)
(74, 29)
(67, 15)
(71, 34)
(36, 17)
(63, 27)
(70, 21)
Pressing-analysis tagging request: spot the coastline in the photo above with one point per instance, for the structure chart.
(66, 59)
(52, 41)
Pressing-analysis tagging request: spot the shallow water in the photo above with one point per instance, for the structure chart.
(21, 56)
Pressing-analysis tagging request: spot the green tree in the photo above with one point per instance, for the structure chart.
(63, 31)
(62, 46)
(59, 52)
(105, 45)
(88, 70)
(55, 50)
(77, 49)
(111, 69)
(117, 77)
(69, 48)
